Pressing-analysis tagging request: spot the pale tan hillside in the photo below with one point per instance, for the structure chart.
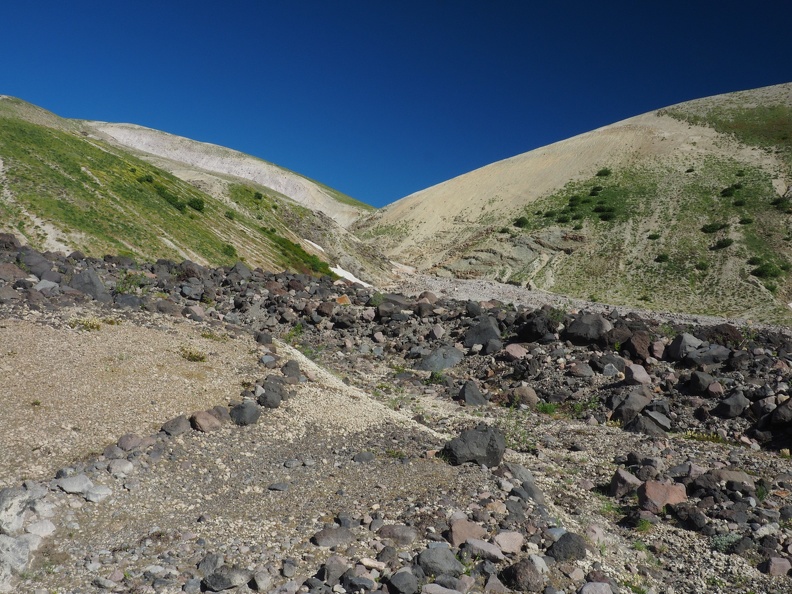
(176, 152)
(427, 227)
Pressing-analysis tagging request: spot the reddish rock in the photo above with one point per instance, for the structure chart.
(638, 345)
(715, 390)
(205, 422)
(509, 541)
(777, 566)
(653, 496)
(513, 352)
(635, 375)
(461, 530)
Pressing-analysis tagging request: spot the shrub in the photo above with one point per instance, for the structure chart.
(702, 265)
(604, 172)
(170, 197)
(192, 354)
(577, 227)
(258, 196)
(754, 260)
(550, 214)
(230, 215)
(727, 192)
(229, 250)
(603, 208)
(562, 219)
(766, 270)
(689, 170)
(653, 236)
(722, 244)
(739, 202)
(714, 227)
(662, 258)
(196, 204)
(607, 216)
(746, 221)
(148, 178)
(521, 222)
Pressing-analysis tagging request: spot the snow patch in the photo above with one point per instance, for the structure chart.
(348, 275)
(317, 246)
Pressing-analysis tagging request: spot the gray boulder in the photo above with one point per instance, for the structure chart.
(88, 282)
(440, 359)
(13, 502)
(176, 426)
(403, 582)
(699, 382)
(471, 395)
(732, 406)
(482, 445)
(681, 346)
(14, 556)
(485, 330)
(587, 328)
(245, 413)
(440, 561)
(226, 578)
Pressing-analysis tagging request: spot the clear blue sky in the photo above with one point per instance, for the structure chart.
(382, 98)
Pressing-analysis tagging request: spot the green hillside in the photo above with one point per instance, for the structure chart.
(100, 199)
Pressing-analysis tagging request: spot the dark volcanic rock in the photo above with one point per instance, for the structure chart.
(587, 328)
(245, 413)
(523, 576)
(471, 395)
(570, 547)
(482, 445)
(486, 330)
(88, 282)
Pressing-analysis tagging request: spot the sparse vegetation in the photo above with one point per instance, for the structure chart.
(192, 354)
(88, 324)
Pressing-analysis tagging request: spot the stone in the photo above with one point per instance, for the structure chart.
(226, 578)
(205, 421)
(120, 468)
(403, 582)
(210, 563)
(78, 484)
(363, 457)
(14, 557)
(88, 282)
(42, 528)
(588, 328)
(440, 359)
(699, 382)
(637, 399)
(569, 547)
(245, 413)
(400, 534)
(595, 588)
(636, 375)
(638, 345)
(440, 561)
(777, 566)
(471, 395)
(514, 352)
(528, 488)
(523, 576)
(176, 426)
(509, 541)
(98, 493)
(462, 530)
(481, 333)
(13, 501)
(732, 406)
(482, 445)
(653, 496)
(333, 537)
(681, 346)
(644, 424)
(484, 550)
(623, 483)
(436, 588)
(437, 332)
(129, 442)
(524, 395)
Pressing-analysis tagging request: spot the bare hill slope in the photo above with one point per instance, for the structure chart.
(575, 217)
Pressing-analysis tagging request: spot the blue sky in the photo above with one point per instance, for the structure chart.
(381, 99)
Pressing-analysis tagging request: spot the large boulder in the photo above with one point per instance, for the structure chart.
(588, 328)
(482, 445)
(439, 359)
(440, 561)
(481, 333)
(88, 282)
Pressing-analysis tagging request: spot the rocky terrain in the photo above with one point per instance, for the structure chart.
(175, 428)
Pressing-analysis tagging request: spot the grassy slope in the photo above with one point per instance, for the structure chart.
(101, 200)
(657, 244)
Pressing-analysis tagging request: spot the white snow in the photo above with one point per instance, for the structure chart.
(348, 275)
(317, 246)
